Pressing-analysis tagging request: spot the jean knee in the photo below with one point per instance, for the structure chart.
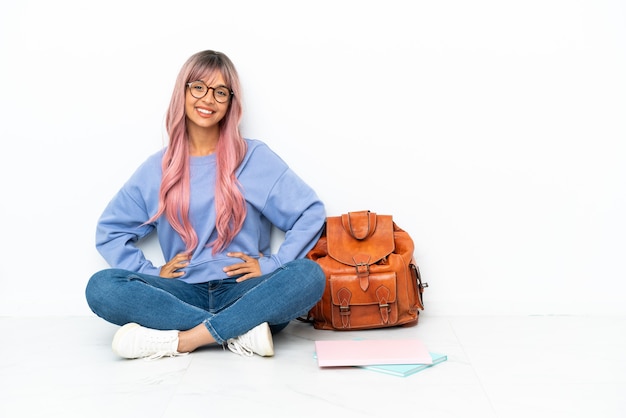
(93, 288)
(314, 275)
(98, 286)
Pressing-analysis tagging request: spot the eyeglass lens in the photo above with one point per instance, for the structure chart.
(198, 90)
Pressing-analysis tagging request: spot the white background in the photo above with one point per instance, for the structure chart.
(493, 132)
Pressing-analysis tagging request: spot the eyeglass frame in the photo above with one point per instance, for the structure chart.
(232, 93)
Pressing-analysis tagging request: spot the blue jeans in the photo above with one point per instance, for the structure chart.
(227, 308)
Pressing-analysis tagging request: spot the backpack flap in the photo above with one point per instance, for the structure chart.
(360, 239)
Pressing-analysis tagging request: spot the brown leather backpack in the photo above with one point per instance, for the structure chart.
(372, 279)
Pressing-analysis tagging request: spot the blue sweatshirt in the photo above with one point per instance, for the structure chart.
(275, 195)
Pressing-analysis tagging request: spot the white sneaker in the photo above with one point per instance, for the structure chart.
(135, 341)
(256, 341)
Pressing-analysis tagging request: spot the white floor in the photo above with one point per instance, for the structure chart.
(504, 367)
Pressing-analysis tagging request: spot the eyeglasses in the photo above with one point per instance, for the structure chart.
(198, 89)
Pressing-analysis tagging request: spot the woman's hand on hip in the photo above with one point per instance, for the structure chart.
(248, 269)
(171, 269)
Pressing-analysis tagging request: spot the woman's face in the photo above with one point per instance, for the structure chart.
(206, 112)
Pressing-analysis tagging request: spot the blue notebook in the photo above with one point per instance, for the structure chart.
(404, 370)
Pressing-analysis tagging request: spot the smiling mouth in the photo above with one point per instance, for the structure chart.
(204, 111)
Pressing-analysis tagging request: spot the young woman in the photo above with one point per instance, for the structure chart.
(212, 197)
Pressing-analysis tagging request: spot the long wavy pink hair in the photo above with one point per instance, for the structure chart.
(230, 205)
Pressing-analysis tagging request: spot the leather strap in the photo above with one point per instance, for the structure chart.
(359, 225)
(362, 266)
(344, 296)
(382, 294)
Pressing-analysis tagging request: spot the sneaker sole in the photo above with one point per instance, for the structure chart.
(119, 335)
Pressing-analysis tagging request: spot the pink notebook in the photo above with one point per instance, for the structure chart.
(368, 352)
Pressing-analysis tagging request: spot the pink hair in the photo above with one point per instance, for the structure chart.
(230, 205)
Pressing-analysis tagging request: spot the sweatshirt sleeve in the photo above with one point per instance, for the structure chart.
(121, 225)
(286, 201)
(294, 208)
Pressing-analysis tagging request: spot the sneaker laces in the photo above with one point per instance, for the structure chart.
(157, 344)
(240, 345)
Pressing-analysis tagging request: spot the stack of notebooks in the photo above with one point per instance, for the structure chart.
(396, 357)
